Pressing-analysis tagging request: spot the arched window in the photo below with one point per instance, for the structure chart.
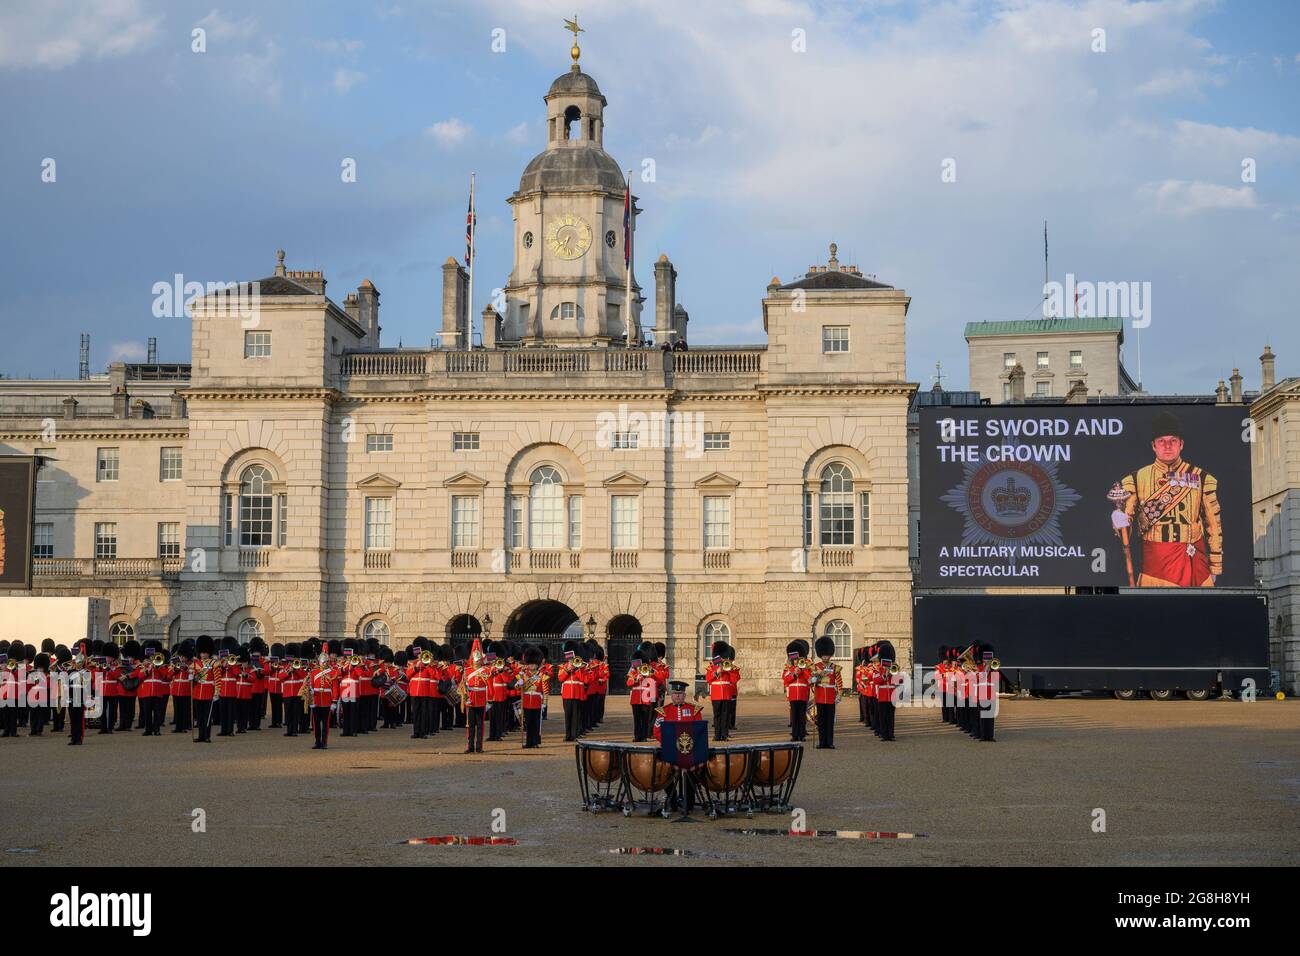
(120, 632)
(256, 508)
(545, 509)
(840, 632)
(378, 630)
(572, 115)
(713, 631)
(567, 311)
(249, 629)
(836, 505)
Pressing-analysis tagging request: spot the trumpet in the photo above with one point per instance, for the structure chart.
(645, 670)
(995, 664)
(728, 666)
(803, 663)
(11, 664)
(158, 660)
(894, 668)
(426, 658)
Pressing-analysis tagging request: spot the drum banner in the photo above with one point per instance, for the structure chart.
(684, 744)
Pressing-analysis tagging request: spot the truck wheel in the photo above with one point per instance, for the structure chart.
(1126, 694)
(1197, 694)
(1161, 694)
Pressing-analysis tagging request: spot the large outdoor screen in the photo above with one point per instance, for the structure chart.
(17, 499)
(1100, 495)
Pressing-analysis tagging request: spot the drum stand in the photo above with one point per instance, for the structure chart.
(685, 788)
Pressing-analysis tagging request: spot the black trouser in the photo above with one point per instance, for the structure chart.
(862, 709)
(182, 713)
(58, 713)
(533, 727)
(203, 719)
(277, 711)
(573, 719)
(886, 720)
(448, 715)
(293, 715)
(8, 720)
(474, 728)
(497, 719)
(226, 708)
(126, 712)
(984, 719)
(304, 726)
(422, 708)
(108, 716)
(825, 725)
(349, 718)
(257, 711)
(460, 715)
(151, 712)
(719, 720)
(320, 720)
(244, 714)
(641, 721)
(76, 724)
(798, 719)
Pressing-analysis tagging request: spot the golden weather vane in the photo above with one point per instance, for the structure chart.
(572, 27)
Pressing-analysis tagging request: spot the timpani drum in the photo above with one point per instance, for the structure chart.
(727, 774)
(600, 770)
(775, 772)
(645, 775)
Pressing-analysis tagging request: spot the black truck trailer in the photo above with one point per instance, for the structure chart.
(1197, 643)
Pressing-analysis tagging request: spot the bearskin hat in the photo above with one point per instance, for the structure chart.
(825, 646)
(545, 650)
(1166, 423)
(797, 647)
(4, 647)
(648, 652)
(400, 658)
(661, 649)
(532, 655)
(719, 649)
(278, 650)
(62, 654)
(886, 650)
(41, 662)
(29, 652)
(204, 644)
(47, 645)
(111, 651)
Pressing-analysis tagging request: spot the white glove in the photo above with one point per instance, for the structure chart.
(1119, 519)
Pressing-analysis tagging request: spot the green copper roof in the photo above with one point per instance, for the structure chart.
(1041, 326)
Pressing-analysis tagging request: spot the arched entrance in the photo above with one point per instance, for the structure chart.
(544, 622)
(463, 628)
(622, 635)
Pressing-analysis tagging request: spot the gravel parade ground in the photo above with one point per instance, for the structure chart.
(1181, 784)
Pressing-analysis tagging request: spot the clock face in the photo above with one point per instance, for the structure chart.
(568, 236)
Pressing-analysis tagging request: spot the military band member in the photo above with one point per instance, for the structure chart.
(63, 665)
(1175, 507)
(644, 693)
(292, 680)
(227, 671)
(533, 686)
(573, 690)
(9, 694)
(181, 688)
(475, 698)
(988, 680)
(423, 675)
(129, 679)
(155, 684)
(275, 685)
(498, 693)
(323, 682)
(885, 678)
(796, 676)
(827, 683)
(205, 688)
(111, 679)
(721, 690)
(677, 710)
(78, 690)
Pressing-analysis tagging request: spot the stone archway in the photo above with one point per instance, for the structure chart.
(622, 635)
(544, 622)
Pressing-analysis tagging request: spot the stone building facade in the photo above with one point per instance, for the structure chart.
(552, 481)
(1047, 358)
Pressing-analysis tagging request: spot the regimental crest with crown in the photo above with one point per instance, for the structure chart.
(1011, 502)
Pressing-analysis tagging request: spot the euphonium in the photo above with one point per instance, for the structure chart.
(803, 662)
(645, 670)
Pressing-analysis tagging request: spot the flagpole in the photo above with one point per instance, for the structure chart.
(473, 223)
(627, 299)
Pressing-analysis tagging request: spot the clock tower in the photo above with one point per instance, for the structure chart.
(568, 286)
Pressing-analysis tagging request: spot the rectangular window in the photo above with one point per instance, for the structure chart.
(105, 541)
(1006, 391)
(43, 468)
(836, 518)
(464, 521)
(624, 441)
(464, 441)
(516, 521)
(257, 344)
(1008, 359)
(717, 522)
(1076, 359)
(568, 310)
(256, 520)
(379, 524)
(106, 464)
(1042, 360)
(717, 441)
(169, 540)
(170, 464)
(228, 519)
(865, 500)
(43, 540)
(575, 522)
(835, 338)
(379, 443)
(281, 520)
(807, 519)
(625, 522)
(1042, 388)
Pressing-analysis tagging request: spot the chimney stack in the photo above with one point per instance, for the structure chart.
(117, 387)
(1221, 393)
(665, 300)
(368, 311)
(1078, 393)
(455, 306)
(491, 327)
(1268, 369)
(1234, 381)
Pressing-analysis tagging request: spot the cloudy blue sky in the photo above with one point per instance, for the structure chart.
(172, 161)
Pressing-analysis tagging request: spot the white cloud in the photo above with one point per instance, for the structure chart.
(518, 135)
(1182, 198)
(344, 80)
(221, 27)
(449, 132)
(53, 34)
(126, 352)
(338, 46)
